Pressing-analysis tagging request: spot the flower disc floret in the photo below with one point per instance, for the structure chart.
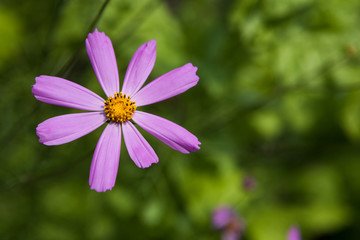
(119, 108)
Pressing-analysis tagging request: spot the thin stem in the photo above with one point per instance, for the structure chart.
(69, 65)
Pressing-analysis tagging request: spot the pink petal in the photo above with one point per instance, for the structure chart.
(139, 68)
(58, 91)
(139, 149)
(170, 133)
(168, 85)
(105, 163)
(103, 61)
(294, 233)
(66, 128)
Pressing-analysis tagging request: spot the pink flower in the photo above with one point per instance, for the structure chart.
(228, 222)
(294, 233)
(120, 109)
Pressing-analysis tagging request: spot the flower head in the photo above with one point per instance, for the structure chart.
(294, 233)
(228, 222)
(119, 109)
(249, 183)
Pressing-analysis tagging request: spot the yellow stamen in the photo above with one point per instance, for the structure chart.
(119, 108)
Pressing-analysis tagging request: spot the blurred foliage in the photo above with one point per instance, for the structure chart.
(278, 100)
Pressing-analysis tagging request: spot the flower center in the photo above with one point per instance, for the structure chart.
(119, 108)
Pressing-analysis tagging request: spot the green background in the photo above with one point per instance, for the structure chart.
(278, 101)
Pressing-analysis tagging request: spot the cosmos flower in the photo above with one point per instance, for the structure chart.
(228, 222)
(294, 233)
(119, 110)
(249, 183)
